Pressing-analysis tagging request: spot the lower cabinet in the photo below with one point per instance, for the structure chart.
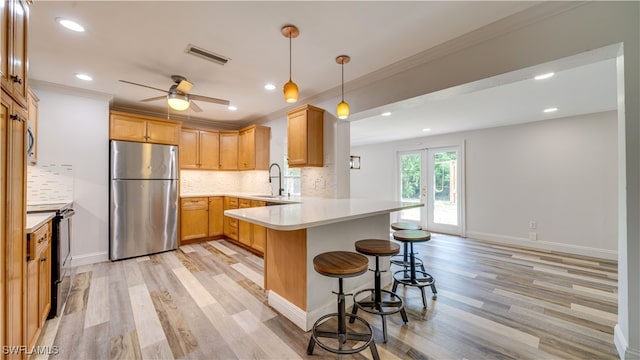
(203, 217)
(38, 281)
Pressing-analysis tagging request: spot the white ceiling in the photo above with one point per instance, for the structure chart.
(145, 42)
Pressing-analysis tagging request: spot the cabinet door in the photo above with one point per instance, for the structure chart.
(247, 149)
(19, 53)
(258, 232)
(15, 267)
(163, 132)
(244, 228)
(33, 298)
(5, 42)
(209, 150)
(228, 150)
(127, 128)
(189, 149)
(44, 302)
(297, 138)
(216, 206)
(194, 218)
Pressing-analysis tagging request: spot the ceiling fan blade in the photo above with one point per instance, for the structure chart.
(150, 87)
(154, 98)
(194, 106)
(184, 86)
(208, 99)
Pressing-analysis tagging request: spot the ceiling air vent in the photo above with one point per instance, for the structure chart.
(206, 54)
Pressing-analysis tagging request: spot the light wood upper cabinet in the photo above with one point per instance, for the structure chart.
(253, 148)
(228, 150)
(139, 128)
(199, 149)
(305, 136)
(14, 16)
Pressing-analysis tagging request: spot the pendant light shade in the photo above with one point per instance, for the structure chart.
(177, 101)
(290, 88)
(342, 109)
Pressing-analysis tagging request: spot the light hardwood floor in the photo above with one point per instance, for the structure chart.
(205, 301)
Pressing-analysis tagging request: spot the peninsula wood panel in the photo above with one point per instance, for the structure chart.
(285, 268)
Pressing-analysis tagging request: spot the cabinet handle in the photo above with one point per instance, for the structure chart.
(16, 79)
(43, 259)
(15, 117)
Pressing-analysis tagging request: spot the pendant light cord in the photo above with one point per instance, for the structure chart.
(289, 56)
(342, 65)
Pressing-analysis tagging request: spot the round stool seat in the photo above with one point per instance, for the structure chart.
(376, 247)
(402, 225)
(412, 235)
(340, 264)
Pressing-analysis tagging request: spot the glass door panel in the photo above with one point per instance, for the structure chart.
(443, 203)
(412, 185)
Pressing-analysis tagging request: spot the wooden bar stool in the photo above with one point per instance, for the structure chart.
(415, 277)
(375, 304)
(341, 264)
(403, 259)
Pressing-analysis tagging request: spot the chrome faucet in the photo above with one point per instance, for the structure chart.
(280, 189)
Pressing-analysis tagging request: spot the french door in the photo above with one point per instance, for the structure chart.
(432, 177)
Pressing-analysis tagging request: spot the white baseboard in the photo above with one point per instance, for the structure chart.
(288, 310)
(87, 259)
(622, 346)
(545, 245)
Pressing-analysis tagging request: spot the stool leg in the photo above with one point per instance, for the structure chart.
(342, 327)
(424, 299)
(374, 350)
(412, 260)
(377, 298)
(312, 344)
(405, 257)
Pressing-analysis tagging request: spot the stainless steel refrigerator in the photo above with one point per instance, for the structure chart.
(144, 199)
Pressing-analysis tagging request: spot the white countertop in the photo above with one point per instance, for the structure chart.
(34, 221)
(316, 212)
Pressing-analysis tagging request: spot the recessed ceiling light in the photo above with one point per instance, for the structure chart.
(544, 76)
(549, 110)
(386, 113)
(84, 77)
(232, 108)
(270, 87)
(70, 24)
(426, 129)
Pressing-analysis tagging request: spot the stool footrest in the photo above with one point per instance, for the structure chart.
(366, 337)
(422, 278)
(392, 306)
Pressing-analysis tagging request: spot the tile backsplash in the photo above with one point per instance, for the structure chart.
(49, 183)
(212, 182)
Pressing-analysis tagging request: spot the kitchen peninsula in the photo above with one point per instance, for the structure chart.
(296, 233)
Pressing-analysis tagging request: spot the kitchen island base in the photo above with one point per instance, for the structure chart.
(295, 289)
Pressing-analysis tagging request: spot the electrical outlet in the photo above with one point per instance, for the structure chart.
(533, 236)
(532, 224)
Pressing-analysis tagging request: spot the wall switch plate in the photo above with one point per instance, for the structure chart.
(533, 236)
(532, 224)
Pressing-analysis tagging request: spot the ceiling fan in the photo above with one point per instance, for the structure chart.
(178, 96)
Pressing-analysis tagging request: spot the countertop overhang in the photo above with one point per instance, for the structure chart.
(311, 212)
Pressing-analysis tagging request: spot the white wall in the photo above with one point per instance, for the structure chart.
(73, 128)
(560, 173)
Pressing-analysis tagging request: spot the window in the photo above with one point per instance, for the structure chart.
(291, 179)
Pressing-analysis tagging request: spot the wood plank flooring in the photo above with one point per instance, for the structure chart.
(205, 301)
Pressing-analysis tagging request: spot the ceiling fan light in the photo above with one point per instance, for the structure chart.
(290, 92)
(178, 102)
(342, 110)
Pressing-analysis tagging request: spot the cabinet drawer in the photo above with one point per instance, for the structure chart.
(233, 223)
(230, 202)
(244, 203)
(194, 203)
(39, 240)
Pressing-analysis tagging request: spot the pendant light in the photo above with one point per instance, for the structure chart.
(342, 110)
(290, 88)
